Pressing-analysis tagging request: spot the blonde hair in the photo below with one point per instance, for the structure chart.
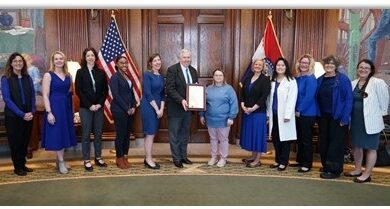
(311, 65)
(258, 59)
(52, 66)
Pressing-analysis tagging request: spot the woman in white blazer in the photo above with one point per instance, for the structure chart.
(371, 100)
(281, 112)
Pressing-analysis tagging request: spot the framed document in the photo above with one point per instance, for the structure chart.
(196, 97)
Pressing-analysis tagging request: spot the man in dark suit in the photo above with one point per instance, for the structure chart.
(179, 117)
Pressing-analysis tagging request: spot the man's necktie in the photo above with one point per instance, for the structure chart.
(187, 76)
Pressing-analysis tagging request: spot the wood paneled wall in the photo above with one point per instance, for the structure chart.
(144, 31)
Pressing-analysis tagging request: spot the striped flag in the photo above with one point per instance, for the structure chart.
(112, 48)
(268, 49)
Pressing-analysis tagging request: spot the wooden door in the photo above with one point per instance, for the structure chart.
(207, 33)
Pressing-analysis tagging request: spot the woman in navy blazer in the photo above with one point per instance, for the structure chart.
(334, 98)
(122, 109)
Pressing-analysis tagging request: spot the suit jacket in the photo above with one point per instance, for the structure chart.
(375, 104)
(122, 93)
(259, 93)
(84, 87)
(176, 88)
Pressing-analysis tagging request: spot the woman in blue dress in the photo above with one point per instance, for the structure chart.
(152, 106)
(58, 128)
(254, 94)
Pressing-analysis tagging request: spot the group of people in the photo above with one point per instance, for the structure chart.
(290, 105)
(295, 104)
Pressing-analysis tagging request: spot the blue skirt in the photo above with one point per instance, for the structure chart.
(253, 134)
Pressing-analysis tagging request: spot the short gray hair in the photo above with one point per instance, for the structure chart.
(183, 51)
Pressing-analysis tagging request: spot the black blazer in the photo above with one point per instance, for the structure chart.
(176, 88)
(259, 93)
(123, 95)
(84, 87)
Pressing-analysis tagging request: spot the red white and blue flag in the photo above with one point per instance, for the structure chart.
(112, 48)
(268, 49)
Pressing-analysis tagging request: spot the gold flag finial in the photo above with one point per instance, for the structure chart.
(113, 12)
(270, 14)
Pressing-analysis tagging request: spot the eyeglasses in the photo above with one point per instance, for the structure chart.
(364, 68)
(305, 63)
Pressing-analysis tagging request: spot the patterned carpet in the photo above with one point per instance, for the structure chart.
(45, 171)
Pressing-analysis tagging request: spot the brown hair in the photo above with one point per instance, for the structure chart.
(150, 60)
(9, 69)
(331, 59)
(223, 73)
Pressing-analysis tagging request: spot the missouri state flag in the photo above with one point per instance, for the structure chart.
(268, 49)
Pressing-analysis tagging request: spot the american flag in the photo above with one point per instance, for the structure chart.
(112, 48)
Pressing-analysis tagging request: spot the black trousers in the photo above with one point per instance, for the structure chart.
(305, 140)
(179, 134)
(282, 149)
(18, 134)
(332, 144)
(123, 127)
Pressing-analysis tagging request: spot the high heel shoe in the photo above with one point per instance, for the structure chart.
(156, 166)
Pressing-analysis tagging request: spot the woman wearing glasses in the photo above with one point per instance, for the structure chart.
(334, 98)
(305, 111)
(370, 103)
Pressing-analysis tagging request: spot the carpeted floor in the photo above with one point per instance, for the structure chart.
(197, 184)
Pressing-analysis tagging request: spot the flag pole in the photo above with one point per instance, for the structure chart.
(270, 14)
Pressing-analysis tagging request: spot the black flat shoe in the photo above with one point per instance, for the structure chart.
(88, 168)
(356, 180)
(352, 175)
(281, 168)
(20, 172)
(27, 169)
(99, 162)
(156, 166)
(186, 161)
(329, 175)
(253, 166)
(178, 164)
(303, 170)
(247, 161)
(275, 165)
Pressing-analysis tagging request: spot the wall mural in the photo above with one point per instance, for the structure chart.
(23, 31)
(365, 33)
